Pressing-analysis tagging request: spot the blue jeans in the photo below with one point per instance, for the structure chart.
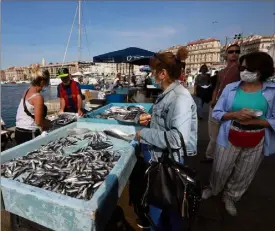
(157, 215)
(200, 104)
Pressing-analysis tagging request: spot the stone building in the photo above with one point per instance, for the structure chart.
(250, 44)
(256, 43)
(15, 74)
(172, 49)
(203, 51)
(3, 75)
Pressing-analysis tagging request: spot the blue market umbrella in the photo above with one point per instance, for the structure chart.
(141, 61)
(127, 55)
(145, 68)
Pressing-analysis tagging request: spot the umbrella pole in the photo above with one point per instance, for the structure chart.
(129, 80)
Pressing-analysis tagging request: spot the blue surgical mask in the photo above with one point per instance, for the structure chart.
(157, 85)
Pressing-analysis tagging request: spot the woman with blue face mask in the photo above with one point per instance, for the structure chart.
(174, 111)
(246, 112)
(31, 112)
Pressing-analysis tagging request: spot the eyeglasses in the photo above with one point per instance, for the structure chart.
(234, 51)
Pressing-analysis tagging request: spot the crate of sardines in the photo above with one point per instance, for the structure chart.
(118, 113)
(70, 179)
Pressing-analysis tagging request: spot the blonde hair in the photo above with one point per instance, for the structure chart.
(38, 75)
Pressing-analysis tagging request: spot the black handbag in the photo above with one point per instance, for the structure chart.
(172, 186)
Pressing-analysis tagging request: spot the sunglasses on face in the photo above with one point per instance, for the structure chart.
(234, 51)
(243, 68)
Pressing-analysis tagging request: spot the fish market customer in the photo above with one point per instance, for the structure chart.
(229, 74)
(246, 111)
(117, 81)
(173, 110)
(202, 89)
(69, 93)
(31, 112)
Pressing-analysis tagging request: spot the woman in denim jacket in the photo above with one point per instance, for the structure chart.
(173, 111)
(246, 111)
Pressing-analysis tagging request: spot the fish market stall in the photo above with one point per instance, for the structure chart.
(70, 179)
(118, 113)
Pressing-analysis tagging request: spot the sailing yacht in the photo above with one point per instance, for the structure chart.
(75, 76)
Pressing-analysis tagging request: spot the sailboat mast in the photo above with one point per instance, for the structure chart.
(79, 30)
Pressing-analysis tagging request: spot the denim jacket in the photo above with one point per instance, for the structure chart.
(224, 105)
(174, 108)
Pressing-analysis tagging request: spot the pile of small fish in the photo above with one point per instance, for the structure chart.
(115, 111)
(78, 174)
(65, 119)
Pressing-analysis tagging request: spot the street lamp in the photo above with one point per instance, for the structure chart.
(238, 36)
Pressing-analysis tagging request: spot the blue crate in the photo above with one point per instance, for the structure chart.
(59, 212)
(93, 114)
(115, 98)
(87, 87)
(123, 90)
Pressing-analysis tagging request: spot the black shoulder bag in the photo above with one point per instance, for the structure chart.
(172, 186)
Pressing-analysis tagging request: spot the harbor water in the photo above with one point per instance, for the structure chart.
(11, 95)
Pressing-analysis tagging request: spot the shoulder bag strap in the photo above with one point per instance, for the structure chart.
(170, 151)
(25, 107)
(183, 146)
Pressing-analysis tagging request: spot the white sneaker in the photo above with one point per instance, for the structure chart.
(206, 194)
(230, 206)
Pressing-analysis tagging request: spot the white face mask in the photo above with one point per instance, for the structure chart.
(248, 76)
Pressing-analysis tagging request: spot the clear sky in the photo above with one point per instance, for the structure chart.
(32, 30)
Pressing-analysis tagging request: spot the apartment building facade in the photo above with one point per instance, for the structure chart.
(203, 51)
(3, 75)
(15, 74)
(250, 44)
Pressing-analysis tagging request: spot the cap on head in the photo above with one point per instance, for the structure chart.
(63, 72)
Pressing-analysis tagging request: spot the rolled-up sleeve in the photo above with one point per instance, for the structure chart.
(220, 108)
(181, 119)
(272, 123)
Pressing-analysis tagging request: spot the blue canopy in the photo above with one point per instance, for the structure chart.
(123, 56)
(141, 61)
(145, 68)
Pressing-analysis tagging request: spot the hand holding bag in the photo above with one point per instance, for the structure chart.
(171, 186)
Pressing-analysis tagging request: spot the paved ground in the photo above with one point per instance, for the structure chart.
(256, 209)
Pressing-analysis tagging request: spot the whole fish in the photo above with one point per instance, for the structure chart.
(115, 112)
(77, 175)
(119, 134)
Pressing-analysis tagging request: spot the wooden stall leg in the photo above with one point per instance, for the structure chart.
(15, 223)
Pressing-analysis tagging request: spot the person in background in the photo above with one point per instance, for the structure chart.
(174, 111)
(134, 80)
(182, 78)
(189, 81)
(117, 82)
(214, 80)
(228, 75)
(69, 93)
(31, 112)
(245, 110)
(202, 89)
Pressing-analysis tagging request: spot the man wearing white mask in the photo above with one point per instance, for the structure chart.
(226, 76)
